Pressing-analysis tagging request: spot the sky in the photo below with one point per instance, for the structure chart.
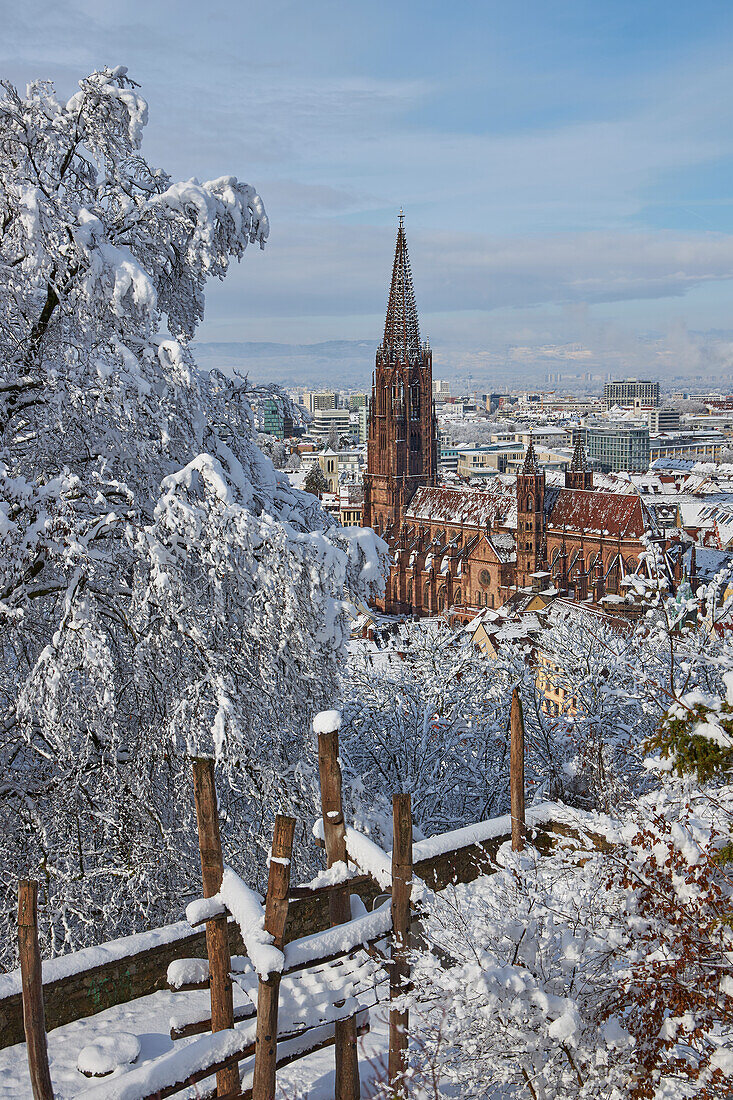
(565, 168)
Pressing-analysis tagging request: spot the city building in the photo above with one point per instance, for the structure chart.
(328, 421)
(663, 420)
(631, 393)
(702, 446)
(324, 399)
(340, 467)
(448, 454)
(275, 420)
(486, 460)
(620, 446)
(441, 389)
(548, 435)
(359, 421)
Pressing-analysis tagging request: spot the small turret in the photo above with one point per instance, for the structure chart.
(580, 475)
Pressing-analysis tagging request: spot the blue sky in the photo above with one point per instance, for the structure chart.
(566, 168)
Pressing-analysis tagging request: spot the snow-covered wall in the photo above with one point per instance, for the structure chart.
(85, 982)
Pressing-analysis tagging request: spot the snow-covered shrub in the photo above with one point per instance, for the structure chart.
(163, 589)
(588, 974)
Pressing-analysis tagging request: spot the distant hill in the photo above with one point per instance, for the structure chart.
(340, 363)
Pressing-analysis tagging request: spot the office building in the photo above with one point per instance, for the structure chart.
(325, 399)
(631, 393)
(328, 420)
(618, 447)
(663, 420)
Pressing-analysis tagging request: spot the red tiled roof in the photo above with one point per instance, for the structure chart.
(469, 506)
(613, 514)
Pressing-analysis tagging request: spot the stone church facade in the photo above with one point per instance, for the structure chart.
(463, 549)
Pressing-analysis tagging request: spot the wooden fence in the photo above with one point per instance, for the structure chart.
(265, 1037)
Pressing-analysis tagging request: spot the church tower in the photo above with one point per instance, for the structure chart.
(402, 449)
(530, 518)
(580, 475)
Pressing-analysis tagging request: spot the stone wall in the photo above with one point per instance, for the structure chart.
(137, 975)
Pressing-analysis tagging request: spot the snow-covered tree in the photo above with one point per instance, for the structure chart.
(163, 589)
(275, 449)
(315, 482)
(428, 713)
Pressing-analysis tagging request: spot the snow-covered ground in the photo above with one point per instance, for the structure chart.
(148, 1019)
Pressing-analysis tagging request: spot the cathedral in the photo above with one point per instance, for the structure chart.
(464, 549)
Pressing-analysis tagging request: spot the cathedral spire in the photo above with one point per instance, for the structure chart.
(579, 462)
(531, 466)
(401, 330)
(580, 475)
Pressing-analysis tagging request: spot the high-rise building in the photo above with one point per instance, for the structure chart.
(631, 392)
(402, 449)
(275, 421)
(359, 424)
(322, 400)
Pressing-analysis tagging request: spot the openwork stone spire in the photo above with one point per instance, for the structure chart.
(531, 465)
(579, 461)
(401, 331)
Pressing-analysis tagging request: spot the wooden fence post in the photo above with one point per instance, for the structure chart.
(516, 772)
(268, 994)
(217, 933)
(31, 974)
(401, 918)
(348, 1086)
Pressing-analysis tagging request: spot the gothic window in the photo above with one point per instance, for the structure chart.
(441, 600)
(415, 402)
(457, 596)
(426, 596)
(409, 592)
(396, 593)
(530, 503)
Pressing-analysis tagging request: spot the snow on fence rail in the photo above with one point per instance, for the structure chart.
(83, 982)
